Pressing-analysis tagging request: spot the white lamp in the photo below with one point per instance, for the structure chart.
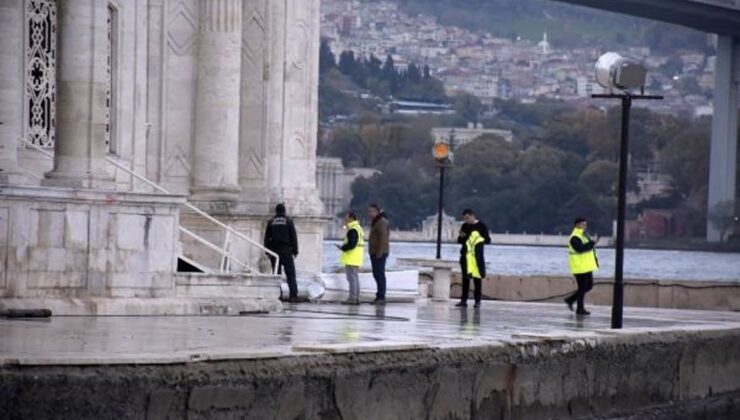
(615, 71)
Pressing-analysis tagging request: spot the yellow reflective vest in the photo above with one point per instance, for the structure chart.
(471, 262)
(356, 255)
(581, 262)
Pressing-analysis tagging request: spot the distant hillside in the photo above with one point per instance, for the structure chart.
(566, 25)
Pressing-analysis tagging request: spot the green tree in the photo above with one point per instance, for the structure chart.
(327, 61)
(540, 163)
(402, 190)
(570, 132)
(347, 62)
(468, 107)
(347, 144)
(600, 177)
(722, 217)
(685, 158)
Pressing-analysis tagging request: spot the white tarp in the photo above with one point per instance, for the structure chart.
(401, 286)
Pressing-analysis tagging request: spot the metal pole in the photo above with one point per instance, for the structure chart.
(439, 211)
(621, 203)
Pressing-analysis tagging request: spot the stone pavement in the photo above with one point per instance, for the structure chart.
(309, 328)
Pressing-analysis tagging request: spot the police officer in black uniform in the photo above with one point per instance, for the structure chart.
(280, 238)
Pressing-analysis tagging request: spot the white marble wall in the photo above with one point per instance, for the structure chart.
(11, 87)
(64, 243)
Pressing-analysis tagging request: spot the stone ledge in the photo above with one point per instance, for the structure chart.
(74, 195)
(143, 306)
(231, 286)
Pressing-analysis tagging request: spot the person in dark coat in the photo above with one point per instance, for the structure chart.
(379, 248)
(281, 238)
(472, 224)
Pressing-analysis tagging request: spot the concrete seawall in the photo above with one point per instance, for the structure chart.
(677, 373)
(674, 294)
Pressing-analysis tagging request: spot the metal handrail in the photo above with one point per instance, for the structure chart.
(187, 204)
(216, 248)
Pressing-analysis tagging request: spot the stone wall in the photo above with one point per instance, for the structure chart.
(64, 243)
(678, 374)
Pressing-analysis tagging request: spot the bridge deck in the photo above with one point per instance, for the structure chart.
(714, 16)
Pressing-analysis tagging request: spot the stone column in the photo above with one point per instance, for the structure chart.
(216, 148)
(11, 87)
(82, 81)
(723, 167)
(295, 72)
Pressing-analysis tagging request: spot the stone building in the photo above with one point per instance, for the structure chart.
(461, 136)
(214, 101)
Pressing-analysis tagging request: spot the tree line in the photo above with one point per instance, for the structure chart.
(562, 163)
(383, 78)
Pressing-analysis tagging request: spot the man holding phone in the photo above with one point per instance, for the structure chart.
(583, 262)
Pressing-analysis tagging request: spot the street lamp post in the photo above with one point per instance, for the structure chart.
(613, 71)
(439, 210)
(443, 155)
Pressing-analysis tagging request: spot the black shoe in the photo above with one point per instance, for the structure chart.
(378, 301)
(294, 300)
(582, 312)
(477, 304)
(461, 305)
(569, 303)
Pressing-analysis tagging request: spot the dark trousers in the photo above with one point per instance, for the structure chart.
(378, 264)
(287, 265)
(585, 283)
(477, 294)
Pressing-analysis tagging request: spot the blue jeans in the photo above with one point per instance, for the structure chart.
(378, 263)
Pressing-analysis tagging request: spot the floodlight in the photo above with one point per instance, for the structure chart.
(615, 71)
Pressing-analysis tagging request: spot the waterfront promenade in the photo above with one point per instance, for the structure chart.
(426, 360)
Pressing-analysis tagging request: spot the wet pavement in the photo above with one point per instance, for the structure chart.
(302, 328)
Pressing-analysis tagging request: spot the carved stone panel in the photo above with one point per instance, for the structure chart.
(254, 105)
(179, 75)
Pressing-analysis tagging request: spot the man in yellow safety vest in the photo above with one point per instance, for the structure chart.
(583, 262)
(352, 255)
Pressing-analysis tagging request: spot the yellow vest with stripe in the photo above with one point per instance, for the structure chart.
(356, 255)
(471, 262)
(581, 262)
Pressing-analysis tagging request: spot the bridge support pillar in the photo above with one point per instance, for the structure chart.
(723, 155)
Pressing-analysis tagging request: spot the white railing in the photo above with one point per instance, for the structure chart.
(226, 255)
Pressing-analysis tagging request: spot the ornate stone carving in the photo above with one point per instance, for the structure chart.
(254, 101)
(182, 28)
(254, 33)
(299, 45)
(40, 71)
(110, 51)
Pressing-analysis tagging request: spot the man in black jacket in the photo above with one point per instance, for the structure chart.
(281, 238)
(472, 224)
